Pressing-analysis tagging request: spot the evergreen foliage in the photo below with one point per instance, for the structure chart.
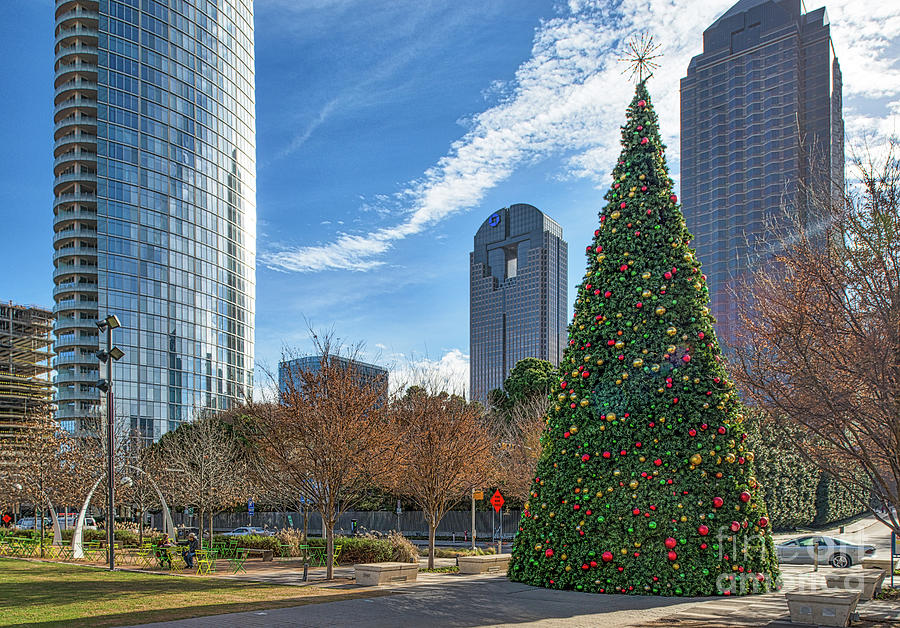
(644, 485)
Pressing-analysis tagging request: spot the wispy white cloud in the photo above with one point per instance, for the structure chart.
(567, 100)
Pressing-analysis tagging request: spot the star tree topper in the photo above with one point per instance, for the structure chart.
(640, 57)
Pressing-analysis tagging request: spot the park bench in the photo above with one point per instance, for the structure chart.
(866, 581)
(822, 608)
(489, 563)
(373, 574)
(265, 554)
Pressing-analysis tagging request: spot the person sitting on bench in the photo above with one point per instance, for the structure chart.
(190, 550)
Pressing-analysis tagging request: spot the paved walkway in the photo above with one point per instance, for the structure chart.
(438, 600)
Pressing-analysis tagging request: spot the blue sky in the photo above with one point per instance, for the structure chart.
(388, 130)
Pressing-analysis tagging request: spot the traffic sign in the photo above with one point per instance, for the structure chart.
(6, 518)
(497, 500)
(479, 495)
(250, 506)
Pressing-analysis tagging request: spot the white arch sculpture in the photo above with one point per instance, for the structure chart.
(168, 524)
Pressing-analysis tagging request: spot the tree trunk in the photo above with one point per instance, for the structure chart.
(329, 548)
(140, 527)
(42, 530)
(200, 522)
(211, 532)
(432, 529)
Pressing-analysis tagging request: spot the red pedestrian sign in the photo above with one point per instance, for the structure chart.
(497, 500)
(6, 518)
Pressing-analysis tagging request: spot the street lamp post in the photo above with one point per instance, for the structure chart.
(108, 356)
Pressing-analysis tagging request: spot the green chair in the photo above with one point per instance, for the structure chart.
(236, 562)
(284, 550)
(337, 553)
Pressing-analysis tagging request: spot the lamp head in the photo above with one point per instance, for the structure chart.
(116, 354)
(102, 384)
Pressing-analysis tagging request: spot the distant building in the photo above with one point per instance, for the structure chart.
(761, 123)
(289, 371)
(25, 339)
(517, 296)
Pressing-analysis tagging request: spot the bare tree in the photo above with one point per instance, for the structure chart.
(39, 471)
(519, 444)
(204, 467)
(445, 452)
(328, 438)
(820, 346)
(142, 466)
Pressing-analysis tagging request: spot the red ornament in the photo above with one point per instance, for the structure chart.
(735, 526)
(667, 275)
(639, 305)
(701, 336)
(548, 553)
(718, 502)
(644, 140)
(657, 462)
(606, 454)
(636, 511)
(585, 566)
(608, 294)
(607, 557)
(623, 267)
(566, 435)
(585, 458)
(563, 384)
(686, 358)
(622, 205)
(673, 556)
(745, 497)
(597, 232)
(692, 432)
(673, 198)
(642, 103)
(721, 430)
(703, 530)
(763, 522)
(576, 507)
(671, 543)
(585, 374)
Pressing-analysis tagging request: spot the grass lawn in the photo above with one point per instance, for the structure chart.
(56, 594)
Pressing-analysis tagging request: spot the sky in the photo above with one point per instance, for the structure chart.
(389, 130)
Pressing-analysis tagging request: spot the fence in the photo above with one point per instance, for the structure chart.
(411, 523)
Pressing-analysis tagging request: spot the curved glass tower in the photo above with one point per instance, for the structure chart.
(154, 205)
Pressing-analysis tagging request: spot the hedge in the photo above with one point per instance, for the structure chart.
(797, 494)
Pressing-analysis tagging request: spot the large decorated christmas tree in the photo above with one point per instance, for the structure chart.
(644, 485)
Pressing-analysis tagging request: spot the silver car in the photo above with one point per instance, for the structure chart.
(834, 552)
(249, 530)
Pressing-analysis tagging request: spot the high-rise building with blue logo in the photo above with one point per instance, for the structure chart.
(518, 287)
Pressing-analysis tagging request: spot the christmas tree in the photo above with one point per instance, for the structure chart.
(644, 485)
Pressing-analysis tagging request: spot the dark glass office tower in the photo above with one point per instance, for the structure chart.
(761, 127)
(154, 206)
(517, 295)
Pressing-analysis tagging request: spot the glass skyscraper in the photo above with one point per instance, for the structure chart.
(517, 295)
(155, 206)
(761, 131)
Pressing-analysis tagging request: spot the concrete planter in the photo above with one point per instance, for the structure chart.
(373, 574)
(877, 563)
(491, 563)
(823, 608)
(866, 581)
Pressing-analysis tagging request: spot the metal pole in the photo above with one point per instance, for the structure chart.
(473, 518)
(110, 478)
(816, 557)
(500, 536)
